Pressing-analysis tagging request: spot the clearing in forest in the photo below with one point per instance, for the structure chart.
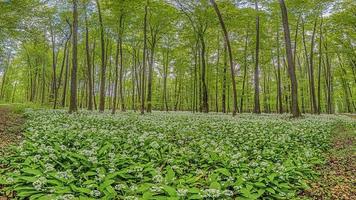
(167, 155)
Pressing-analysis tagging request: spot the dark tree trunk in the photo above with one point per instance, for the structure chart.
(223, 97)
(279, 81)
(205, 105)
(257, 108)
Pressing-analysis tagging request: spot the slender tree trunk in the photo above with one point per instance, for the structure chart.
(66, 74)
(54, 67)
(43, 84)
(257, 108)
(150, 75)
(89, 70)
(320, 63)
(60, 74)
(116, 76)
(291, 66)
(93, 75)
(165, 74)
(205, 105)
(245, 74)
(133, 72)
(216, 77)
(144, 59)
(103, 62)
(226, 36)
(311, 69)
(73, 86)
(121, 85)
(329, 79)
(279, 81)
(223, 96)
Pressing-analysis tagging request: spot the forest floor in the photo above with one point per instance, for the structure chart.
(11, 123)
(338, 175)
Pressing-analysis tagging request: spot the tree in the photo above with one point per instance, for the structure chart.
(73, 87)
(144, 60)
(103, 62)
(227, 41)
(291, 66)
(257, 74)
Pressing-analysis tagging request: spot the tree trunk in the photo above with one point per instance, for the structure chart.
(311, 69)
(114, 103)
(257, 108)
(150, 75)
(245, 74)
(121, 84)
(54, 67)
(73, 86)
(103, 62)
(320, 63)
(223, 96)
(291, 66)
(144, 60)
(89, 70)
(226, 36)
(66, 74)
(279, 81)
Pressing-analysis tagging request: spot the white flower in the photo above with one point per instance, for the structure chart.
(182, 192)
(49, 167)
(158, 178)
(154, 145)
(228, 193)
(156, 189)
(39, 183)
(66, 197)
(120, 187)
(93, 159)
(95, 193)
(214, 193)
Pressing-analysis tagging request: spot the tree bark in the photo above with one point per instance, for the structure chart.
(73, 87)
(291, 66)
(226, 36)
(103, 62)
(89, 70)
(311, 69)
(279, 81)
(257, 108)
(144, 60)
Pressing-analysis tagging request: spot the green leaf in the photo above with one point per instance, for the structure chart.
(170, 190)
(80, 189)
(170, 176)
(215, 185)
(223, 171)
(32, 171)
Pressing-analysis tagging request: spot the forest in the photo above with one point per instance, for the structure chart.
(177, 99)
